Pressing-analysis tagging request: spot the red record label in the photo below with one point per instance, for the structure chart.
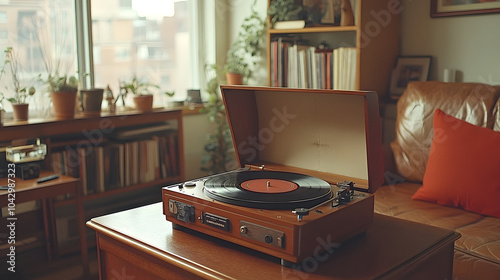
(269, 185)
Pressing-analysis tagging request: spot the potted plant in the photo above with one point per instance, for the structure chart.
(284, 10)
(63, 92)
(20, 105)
(243, 52)
(236, 67)
(143, 97)
(91, 101)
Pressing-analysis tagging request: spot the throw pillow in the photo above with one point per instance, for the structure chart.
(464, 167)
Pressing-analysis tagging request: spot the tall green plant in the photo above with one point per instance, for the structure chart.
(219, 148)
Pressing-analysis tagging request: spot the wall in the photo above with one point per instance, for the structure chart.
(469, 44)
(196, 128)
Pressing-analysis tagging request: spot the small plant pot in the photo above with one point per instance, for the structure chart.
(91, 101)
(64, 105)
(20, 111)
(143, 102)
(234, 79)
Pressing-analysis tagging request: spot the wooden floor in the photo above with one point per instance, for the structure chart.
(34, 265)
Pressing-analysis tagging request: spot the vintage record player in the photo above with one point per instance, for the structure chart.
(310, 161)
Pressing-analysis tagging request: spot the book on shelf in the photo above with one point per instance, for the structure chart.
(118, 164)
(289, 24)
(300, 65)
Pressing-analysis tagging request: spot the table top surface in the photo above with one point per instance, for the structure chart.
(27, 190)
(389, 244)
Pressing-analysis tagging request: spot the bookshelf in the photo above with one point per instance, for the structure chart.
(374, 41)
(92, 137)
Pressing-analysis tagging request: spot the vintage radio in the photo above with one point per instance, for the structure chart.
(310, 161)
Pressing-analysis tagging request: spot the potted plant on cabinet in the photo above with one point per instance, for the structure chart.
(20, 106)
(143, 96)
(243, 52)
(63, 92)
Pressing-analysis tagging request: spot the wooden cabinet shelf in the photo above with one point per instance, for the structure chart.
(317, 29)
(85, 145)
(40, 128)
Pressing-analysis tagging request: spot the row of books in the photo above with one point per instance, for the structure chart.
(302, 66)
(119, 164)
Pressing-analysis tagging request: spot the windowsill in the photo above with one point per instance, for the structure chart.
(193, 109)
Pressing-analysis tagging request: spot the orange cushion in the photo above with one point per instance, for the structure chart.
(463, 169)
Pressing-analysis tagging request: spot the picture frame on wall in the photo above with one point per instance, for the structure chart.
(408, 69)
(445, 8)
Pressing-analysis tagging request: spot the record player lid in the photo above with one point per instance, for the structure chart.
(329, 134)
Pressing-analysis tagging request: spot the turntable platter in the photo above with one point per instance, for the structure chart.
(267, 189)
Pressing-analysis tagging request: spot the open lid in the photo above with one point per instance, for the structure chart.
(330, 134)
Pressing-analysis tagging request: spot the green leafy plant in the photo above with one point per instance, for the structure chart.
(169, 93)
(219, 148)
(13, 64)
(138, 87)
(235, 61)
(62, 83)
(283, 10)
(243, 52)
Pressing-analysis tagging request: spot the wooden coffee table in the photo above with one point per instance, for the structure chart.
(140, 243)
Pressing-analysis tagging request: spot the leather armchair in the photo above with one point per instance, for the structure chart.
(477, 252)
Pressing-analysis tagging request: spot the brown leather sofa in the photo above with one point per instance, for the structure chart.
(477, 252)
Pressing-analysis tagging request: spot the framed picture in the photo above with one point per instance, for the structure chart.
(444, 8)
(409, 69)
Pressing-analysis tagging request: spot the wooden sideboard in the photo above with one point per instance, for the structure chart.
(88, 148)
(29, 190)
(141, 244)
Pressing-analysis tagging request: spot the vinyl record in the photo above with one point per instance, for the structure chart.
(267, 189)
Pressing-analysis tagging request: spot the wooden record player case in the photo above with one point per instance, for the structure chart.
(329, 134)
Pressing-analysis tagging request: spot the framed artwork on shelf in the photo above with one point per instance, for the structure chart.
(408, 69)
(444, 8)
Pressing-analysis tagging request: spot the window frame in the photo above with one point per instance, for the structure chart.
(85, 48)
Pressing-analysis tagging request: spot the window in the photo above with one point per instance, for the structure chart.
(125, 3)
(43, 35)
(3, 17)
(149, 39)
(152, 39)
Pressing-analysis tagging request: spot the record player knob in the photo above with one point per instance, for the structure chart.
(268, 239)
(243, 229)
